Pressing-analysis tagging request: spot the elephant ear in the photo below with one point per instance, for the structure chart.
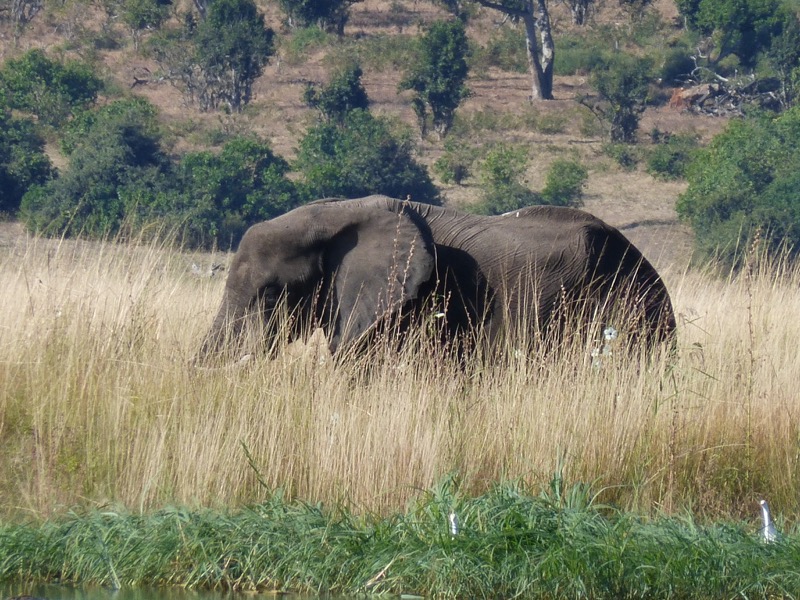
(378, 260)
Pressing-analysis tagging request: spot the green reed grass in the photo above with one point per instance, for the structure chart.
(99, 403)
(510, 544)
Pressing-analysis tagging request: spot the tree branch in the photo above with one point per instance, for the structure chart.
(505, 9)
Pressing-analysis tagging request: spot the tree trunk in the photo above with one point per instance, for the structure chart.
(548, 51)
(534, 17)
(579, 10)
(535, 67)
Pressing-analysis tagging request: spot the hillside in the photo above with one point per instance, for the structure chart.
(498, 108)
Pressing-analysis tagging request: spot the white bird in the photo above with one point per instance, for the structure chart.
(211, 271)
(768, 531)
(453, 518)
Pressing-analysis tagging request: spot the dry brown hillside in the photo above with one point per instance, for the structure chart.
(640, 205)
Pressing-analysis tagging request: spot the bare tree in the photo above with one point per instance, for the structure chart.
(538, 38)
(23, 11)
(20, 12)
(579, 9)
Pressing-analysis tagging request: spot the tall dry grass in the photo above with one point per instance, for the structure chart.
(98, 403)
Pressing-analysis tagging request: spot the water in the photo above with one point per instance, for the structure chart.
(58, 592)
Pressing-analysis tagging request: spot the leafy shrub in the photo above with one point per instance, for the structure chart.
(746, 182)
(450, 170)
(344, 93)
(222, 194)
(564, 183)
(501, 173)
(743, 28)
(623, 86)
(504, 164)
(677, 66)
(455, 164)
(120, 149)
(119, 178)
(504, 198)
(669, 159)
(49, 89)
(137, 111)
(23, 162)
(625, 155)
(784, 58)
(330, 15)
(648, 28)
(359, 158)
(140, 15)
(438, 77)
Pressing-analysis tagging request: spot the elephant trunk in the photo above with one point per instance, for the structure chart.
(225, 329)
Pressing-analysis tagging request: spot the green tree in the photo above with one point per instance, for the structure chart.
(623, 87)
(564, 183)
(49, 89)
(359, 158)
(438, 78)
(23, 162)
(670, 158)
(232, 47)
(743, 28)
(222, 194)
(120, 152)
(784, 57)
(136, 111)
(328, 15)
(501, 174)
(140, 15)
(745, 182)
(344, 93)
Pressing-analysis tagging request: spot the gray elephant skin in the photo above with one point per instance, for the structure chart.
(351, 265)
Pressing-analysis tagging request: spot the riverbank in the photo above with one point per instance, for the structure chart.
(507, 543)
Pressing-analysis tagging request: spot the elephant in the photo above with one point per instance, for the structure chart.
(350, 265)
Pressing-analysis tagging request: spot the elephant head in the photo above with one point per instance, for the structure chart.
(361, 263)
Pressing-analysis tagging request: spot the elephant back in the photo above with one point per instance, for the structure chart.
(623, 276)
(616, 273)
